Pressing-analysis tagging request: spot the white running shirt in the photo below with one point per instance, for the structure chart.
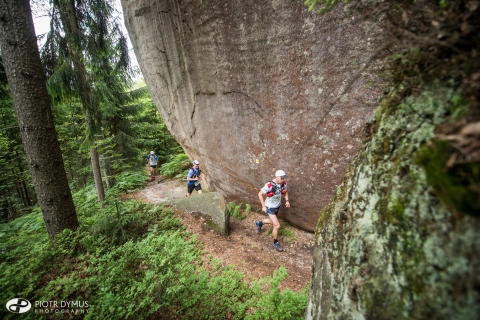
(274, 201)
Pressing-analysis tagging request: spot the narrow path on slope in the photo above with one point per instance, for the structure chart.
(251, 253)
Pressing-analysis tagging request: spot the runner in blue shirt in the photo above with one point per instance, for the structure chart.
(193, 179)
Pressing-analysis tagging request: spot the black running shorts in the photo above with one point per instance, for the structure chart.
(190, 187)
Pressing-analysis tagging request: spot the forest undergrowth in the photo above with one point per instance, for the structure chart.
(129, 260)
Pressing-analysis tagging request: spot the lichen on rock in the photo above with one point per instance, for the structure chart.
(387, 246)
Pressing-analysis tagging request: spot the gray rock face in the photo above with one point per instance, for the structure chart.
(252, 86)
(211, 203)
(387, 246)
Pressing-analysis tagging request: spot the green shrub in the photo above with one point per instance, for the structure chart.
(234, 210)
(277, 304)
(284, 232)
(127, 181)
(132, 261)
(176, 166)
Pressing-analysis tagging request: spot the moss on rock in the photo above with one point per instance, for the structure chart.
(393, 246)
(457, 187)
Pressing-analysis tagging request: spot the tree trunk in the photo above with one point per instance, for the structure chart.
(109, 172)
(27, 201)
(35, 119)
(20, 192)
(68, 16)
(16, 184)
(4, 213)
(12, 212)
(97, 174)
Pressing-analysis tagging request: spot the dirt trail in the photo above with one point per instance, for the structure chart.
(250, 252)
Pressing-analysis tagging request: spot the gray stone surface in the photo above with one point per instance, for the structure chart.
(251, 86)
(210, 203)
(387, 247)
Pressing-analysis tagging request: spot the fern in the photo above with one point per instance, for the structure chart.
(131, 260)
(176, 166)
(234, 210)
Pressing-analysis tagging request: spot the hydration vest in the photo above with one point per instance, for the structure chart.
(196, 173)
(275, 186)
(152, 159)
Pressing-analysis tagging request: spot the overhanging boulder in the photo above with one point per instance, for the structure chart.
(251, 86)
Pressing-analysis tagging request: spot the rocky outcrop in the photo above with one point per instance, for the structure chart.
(251, 86)
(387, 246)
(209, 203)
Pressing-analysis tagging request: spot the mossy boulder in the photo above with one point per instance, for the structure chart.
(400, 240)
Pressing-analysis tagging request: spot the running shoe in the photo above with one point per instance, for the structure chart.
(278, 247)
(259, 226)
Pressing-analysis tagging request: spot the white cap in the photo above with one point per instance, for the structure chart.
(151, 152)
(196, 162)
(281, 174)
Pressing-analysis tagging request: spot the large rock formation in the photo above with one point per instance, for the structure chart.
(251, 86)
(388, 246)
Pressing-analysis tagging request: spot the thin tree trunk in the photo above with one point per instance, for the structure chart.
(27, 202)
(20, 192)
(68, 16)
(95, 160)
(27, 195)
(4, 215)
(109, 173)
(11, 210)
(35, 119)
(15, 182)
(19, 187)
(97, 174)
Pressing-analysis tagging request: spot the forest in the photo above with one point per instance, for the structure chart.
(76, 125)
(69, 244)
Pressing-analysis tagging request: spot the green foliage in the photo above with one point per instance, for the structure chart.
(138, 129)
(24, 248)
(234, 210)
(279, 304)
(15, 181)
(131, 281)
(284, 231)
(106, 110)
(459, 186)
(176, 166)
(224, 294)
(127, 181)
(123, 225)
(325, 5)
(157, 273)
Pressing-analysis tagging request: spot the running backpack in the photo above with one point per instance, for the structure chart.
(196, 173)
(274, 187)
(152, 159)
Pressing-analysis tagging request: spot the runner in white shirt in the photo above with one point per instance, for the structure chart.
(273, 190)
(152, 160)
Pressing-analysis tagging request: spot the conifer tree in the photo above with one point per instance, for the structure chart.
(86, 57)
(35, 119)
